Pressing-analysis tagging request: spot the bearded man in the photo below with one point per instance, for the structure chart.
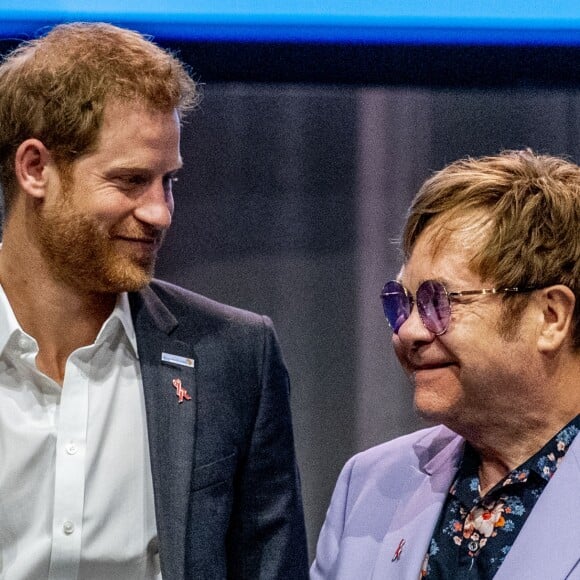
(145, 431)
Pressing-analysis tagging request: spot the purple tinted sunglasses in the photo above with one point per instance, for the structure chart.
(433, 303)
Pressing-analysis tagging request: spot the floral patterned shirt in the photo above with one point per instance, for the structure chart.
(474, 533)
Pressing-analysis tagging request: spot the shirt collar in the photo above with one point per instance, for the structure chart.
(543, 463)
(122, 312)
(8, 323)
(547, 460)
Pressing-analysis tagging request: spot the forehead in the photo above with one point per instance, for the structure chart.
(133, 134)
(135, 119)
(445, 251)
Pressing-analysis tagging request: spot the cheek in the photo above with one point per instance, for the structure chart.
(111, 214)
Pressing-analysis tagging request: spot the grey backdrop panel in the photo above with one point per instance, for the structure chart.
(289, 204)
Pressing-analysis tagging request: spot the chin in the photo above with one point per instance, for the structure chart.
(120, 278)
(434, 409)
(131, 281)
(437, 394)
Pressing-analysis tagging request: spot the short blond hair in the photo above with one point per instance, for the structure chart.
(532, 208)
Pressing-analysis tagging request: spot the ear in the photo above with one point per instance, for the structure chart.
(30, 162)
(557, 312)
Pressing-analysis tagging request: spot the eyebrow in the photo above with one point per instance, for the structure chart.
(134, 169)
(444, 281)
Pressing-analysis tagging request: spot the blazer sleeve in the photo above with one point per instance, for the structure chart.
(267, 538)
(327, 549)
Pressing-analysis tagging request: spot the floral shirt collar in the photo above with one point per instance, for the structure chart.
(475, 533)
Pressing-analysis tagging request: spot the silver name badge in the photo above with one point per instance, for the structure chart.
(177, 360)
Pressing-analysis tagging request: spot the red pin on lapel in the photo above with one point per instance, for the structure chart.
(398, 551)
(181, 392)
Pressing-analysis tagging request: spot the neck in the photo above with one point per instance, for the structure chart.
(60, 318)
(502, 450)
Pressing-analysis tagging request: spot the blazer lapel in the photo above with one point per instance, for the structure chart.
(407, 541)
(170, 423)
(547, 546)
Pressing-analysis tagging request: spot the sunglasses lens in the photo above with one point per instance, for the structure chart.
(434, 307)
(395, 304)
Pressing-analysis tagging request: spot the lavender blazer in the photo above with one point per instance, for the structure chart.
(395, 492)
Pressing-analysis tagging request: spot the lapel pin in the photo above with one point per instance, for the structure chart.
(175, 359)
(398, 551)
(181, 392)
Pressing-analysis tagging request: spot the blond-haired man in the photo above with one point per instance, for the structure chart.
(485, 314)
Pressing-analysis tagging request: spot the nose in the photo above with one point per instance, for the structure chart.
(155, 207)
(413, 331)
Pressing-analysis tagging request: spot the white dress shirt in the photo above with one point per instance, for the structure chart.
(76, 492)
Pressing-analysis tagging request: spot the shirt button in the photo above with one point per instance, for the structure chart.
(23, 342)
(71, 448)
(68, 528)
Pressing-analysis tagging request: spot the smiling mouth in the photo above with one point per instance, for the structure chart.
(431, 367)
(140, 249)
(140, 241)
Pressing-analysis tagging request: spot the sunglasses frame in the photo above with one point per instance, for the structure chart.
(449, 295)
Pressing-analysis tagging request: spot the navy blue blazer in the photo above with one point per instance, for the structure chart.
(225, 480)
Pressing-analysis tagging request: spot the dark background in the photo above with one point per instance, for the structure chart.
(299, 166)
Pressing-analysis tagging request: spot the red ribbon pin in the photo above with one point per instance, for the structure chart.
(398, 551)
(181, 391)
